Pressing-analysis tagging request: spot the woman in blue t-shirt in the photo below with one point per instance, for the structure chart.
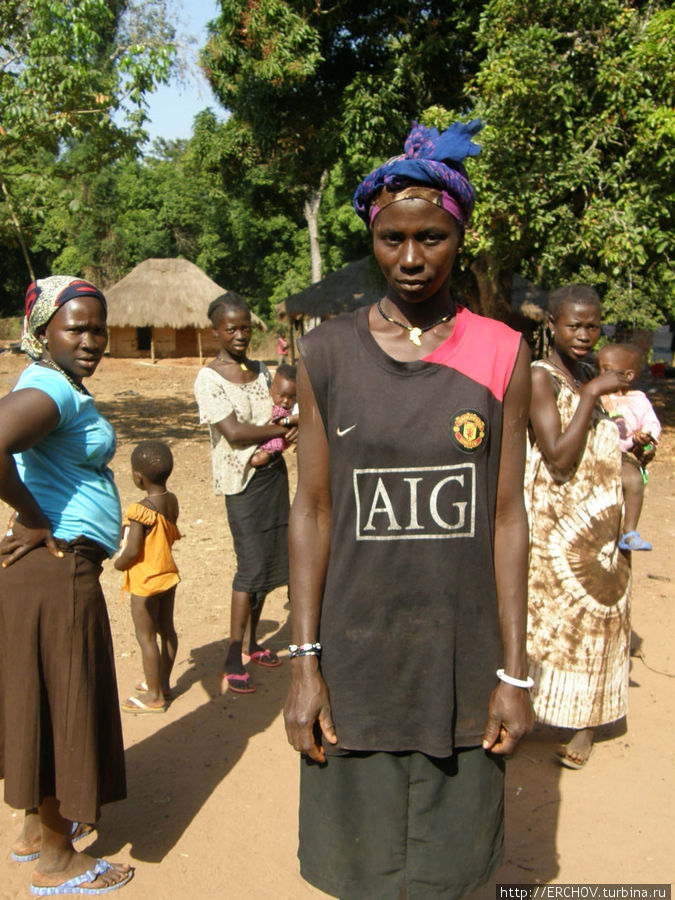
(61, 736)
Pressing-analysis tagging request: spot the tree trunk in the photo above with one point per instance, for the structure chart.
(311, 211)
(17, 225)
(491, 300)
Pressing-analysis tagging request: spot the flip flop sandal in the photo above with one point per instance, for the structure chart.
(567, 761)
(631, 540)
(135, 705)
(240, 684)
(264, 658)
(29, 857)
(72, 886)
(142, 686)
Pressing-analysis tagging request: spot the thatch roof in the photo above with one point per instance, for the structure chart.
(356, 284)
(527, 299)
(361, 283)
(165, 293)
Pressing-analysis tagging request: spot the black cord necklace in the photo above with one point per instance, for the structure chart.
(414, 333)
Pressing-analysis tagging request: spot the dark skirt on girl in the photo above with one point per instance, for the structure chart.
(258, 518)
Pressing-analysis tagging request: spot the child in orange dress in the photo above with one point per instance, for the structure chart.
(150, 573)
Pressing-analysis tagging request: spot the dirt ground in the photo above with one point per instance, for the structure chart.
(213, 784)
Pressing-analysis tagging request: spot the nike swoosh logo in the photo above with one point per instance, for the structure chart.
(341, 432)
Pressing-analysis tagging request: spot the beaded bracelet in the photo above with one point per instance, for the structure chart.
(308, 649)
(516, 682)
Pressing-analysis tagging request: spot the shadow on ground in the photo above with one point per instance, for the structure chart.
(197, 751)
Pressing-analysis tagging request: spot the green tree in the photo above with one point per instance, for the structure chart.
(132, 209)
(575, 181)
(308, 84)
(66, 66)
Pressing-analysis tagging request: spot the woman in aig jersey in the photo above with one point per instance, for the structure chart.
(408, 557)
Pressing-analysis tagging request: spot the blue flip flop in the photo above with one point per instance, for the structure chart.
(631, 540)
(72, 886)
(29, 857)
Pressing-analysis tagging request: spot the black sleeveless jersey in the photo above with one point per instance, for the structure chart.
(409, 620)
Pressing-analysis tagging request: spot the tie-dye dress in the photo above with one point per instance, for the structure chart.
(579, 582)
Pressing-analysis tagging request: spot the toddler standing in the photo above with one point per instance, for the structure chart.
(639, 432)
(150, 573)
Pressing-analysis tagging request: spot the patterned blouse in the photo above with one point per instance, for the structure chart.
(251, 403)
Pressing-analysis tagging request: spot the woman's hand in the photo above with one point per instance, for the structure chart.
(307, 703)
(21, 539)
(510, 717)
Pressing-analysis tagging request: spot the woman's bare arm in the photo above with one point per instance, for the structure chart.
(309, 543)
(562, 450)
(510, 714)
(26, 417)
(236, 432)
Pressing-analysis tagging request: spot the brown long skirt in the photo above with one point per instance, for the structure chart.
(60, 729)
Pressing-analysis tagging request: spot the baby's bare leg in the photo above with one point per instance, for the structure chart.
(260, 458)
(633, 495)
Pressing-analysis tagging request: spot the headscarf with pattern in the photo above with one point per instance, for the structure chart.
(431, 159)
(43, 298)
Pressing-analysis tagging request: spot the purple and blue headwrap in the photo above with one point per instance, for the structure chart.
(430, 159)
(43, 298)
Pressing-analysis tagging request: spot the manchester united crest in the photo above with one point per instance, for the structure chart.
(468, 430)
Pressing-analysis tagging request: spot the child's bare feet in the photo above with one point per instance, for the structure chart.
(77, 870)
(575, 754)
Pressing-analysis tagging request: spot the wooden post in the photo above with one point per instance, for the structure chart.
(199, 347)
(291, 340)
(152, 346)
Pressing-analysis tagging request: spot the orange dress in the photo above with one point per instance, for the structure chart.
(155, 570)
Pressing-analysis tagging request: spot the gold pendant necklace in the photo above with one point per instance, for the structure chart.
(414, 333)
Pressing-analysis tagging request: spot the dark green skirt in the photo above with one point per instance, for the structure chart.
(369, 820)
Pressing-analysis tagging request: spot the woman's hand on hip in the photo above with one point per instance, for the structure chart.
(21, 539)
(510, 717)
(306, 706)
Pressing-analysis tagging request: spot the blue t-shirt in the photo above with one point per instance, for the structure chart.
(67, 471)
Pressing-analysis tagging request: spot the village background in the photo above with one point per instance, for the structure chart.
(574, 183)
(213, 784)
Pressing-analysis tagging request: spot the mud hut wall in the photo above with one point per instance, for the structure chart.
(123, 343)
(165, 342)
(210, 344)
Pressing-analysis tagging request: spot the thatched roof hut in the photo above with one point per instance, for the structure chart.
(356, 284)
(159, 309)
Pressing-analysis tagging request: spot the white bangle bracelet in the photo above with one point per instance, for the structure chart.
(516, 682)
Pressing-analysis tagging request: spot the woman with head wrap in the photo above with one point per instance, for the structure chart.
(408, 542)
(61, 735)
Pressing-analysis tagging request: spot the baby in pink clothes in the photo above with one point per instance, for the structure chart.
(283, 391)
(639, 432)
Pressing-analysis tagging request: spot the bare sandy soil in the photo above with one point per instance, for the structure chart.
(212, 805)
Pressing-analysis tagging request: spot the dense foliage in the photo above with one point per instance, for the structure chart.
(66, 66)
(575, 181)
